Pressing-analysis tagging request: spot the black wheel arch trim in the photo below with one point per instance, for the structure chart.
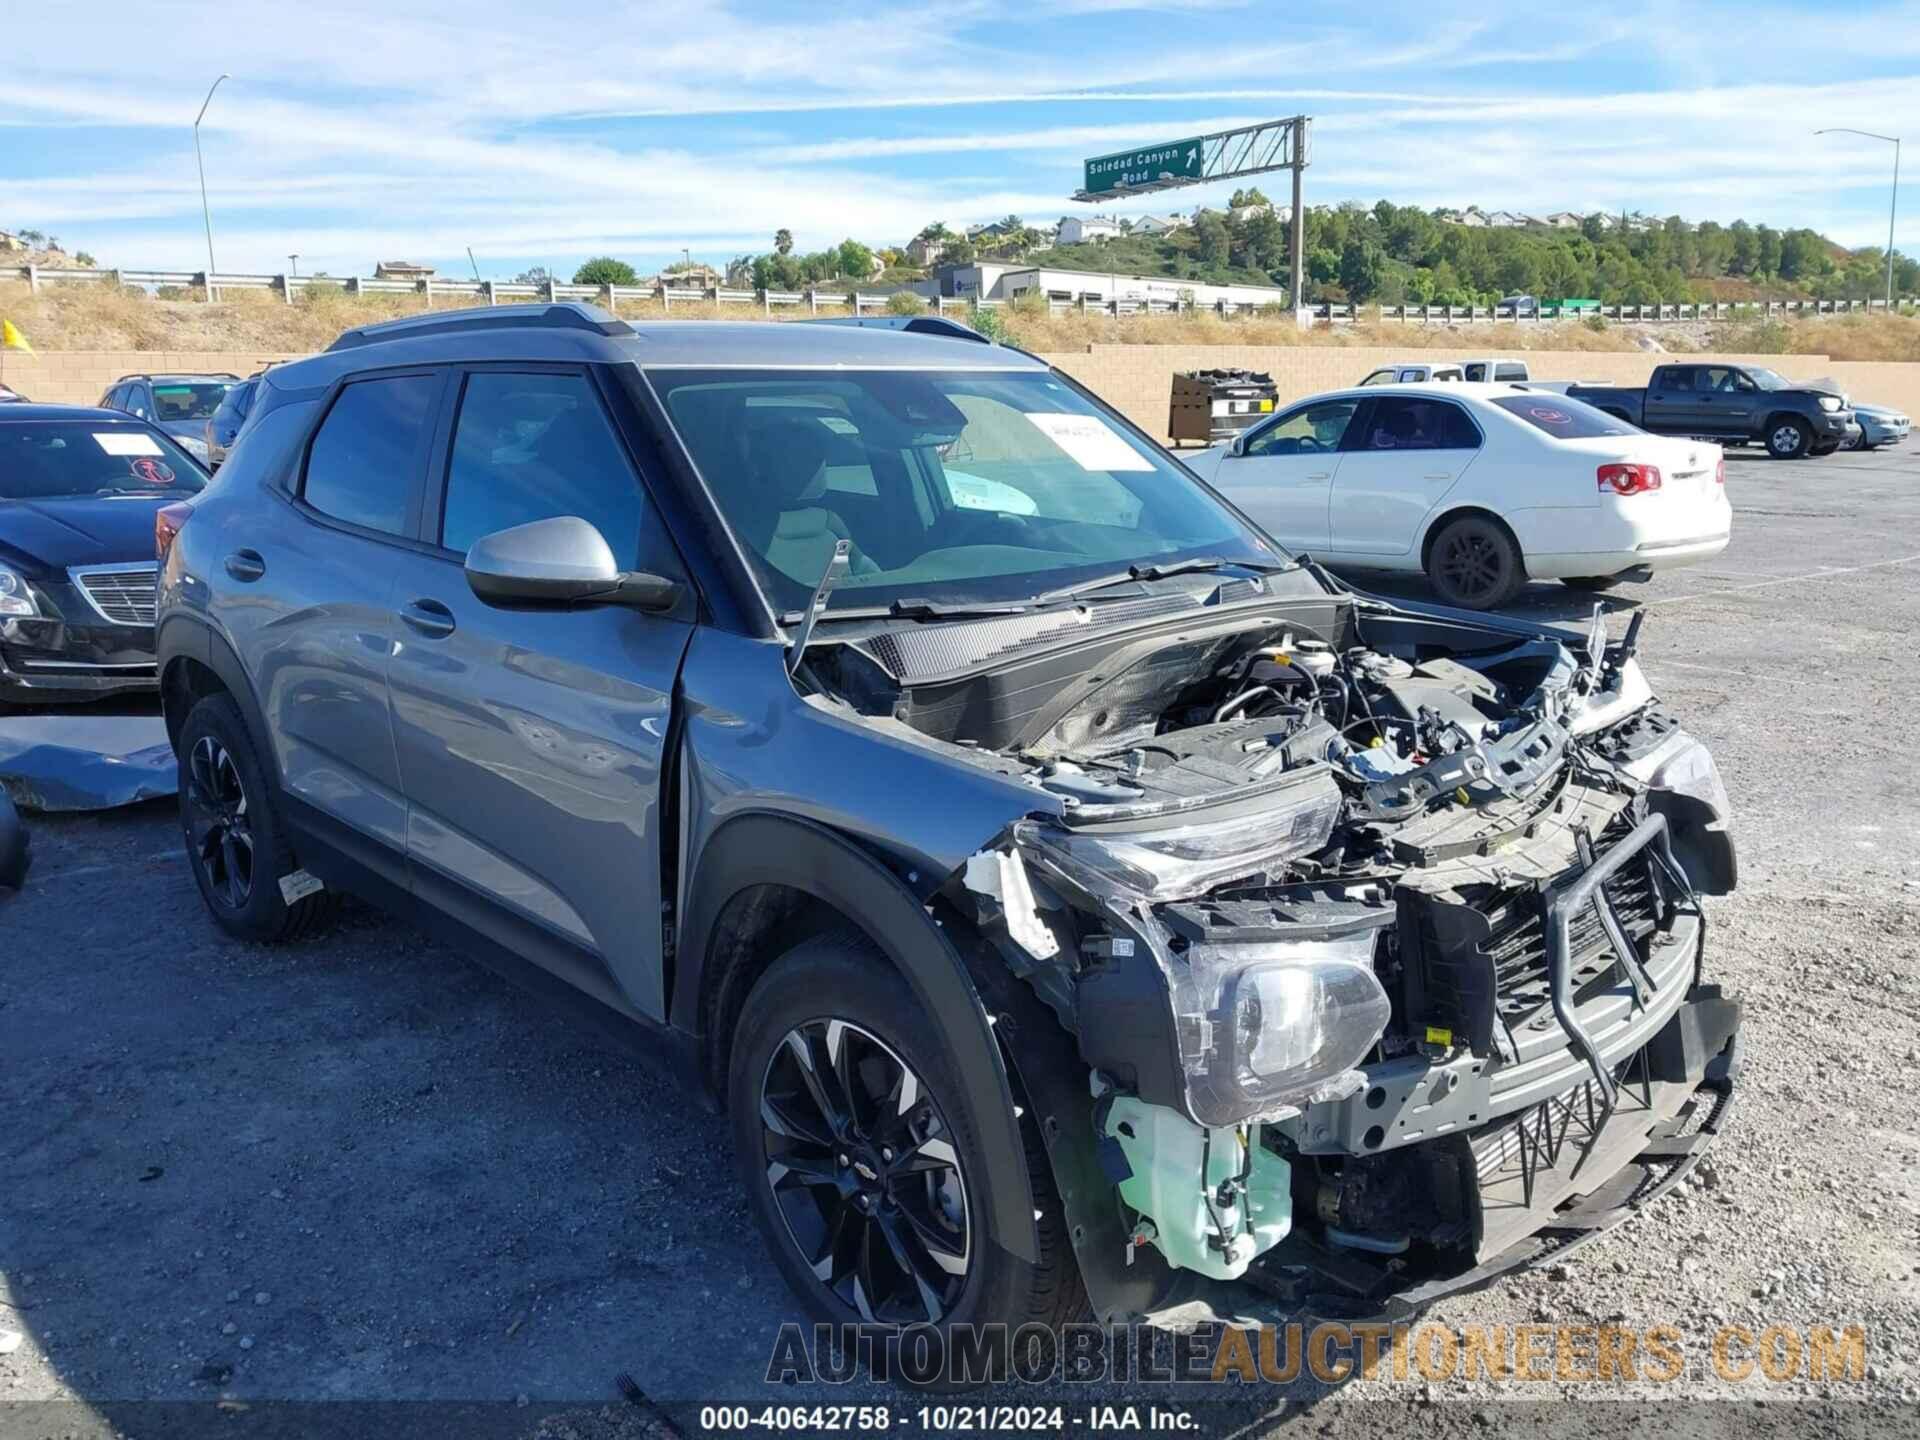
(766, 849)
(187, 637)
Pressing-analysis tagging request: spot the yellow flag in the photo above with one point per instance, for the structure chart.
(12, 339)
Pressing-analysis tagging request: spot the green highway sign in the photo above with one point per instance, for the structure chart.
(1180, 160)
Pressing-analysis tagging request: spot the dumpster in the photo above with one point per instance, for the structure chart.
(1213, 405)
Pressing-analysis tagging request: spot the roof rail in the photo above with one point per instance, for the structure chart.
(148, 375)
(565, 315)
(916, 324)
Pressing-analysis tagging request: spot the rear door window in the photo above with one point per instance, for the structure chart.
(1415, 423)
(367, 454)
(1675, 377)
(1509, 372)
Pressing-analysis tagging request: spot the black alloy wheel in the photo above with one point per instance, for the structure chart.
(865, 1174)
(1475, 564)
(218, 825)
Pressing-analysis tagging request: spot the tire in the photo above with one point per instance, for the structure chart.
(1856, 442)
(1820, 452)
(1474, 564)
(1592, 582)
(1788, 439)
(837, 997)
(237, 845)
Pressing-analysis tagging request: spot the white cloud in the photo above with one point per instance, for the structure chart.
(353, 130)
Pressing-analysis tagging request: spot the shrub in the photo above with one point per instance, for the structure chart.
(905, 302)
(605, 270)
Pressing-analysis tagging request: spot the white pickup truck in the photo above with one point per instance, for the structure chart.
(1482, 368)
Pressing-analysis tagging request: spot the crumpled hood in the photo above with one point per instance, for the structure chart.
(43, 537)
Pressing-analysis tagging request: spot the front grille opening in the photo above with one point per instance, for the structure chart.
(123, 595)
(1482, 963)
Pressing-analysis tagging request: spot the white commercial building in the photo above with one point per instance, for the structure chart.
(991, 280)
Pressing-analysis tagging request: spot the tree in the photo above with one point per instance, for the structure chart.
(536, 275)
(1240, 199)
(1214, 240)
(605, 270)
(855, 259)
(783, 240)
(1362, 269)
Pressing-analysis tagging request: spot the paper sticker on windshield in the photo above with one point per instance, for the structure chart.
(154, 472)
(1090, 442)
(126, 442)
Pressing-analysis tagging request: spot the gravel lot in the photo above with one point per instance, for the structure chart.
(361, 1168)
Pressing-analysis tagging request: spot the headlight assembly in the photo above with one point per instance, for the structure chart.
(1166, 862)
(15, 598)
(1830, 403)
(1263, 1027)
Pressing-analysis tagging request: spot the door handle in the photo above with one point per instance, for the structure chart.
(1442, 475)
(1321, 475)
(429, 618)
(246, 565)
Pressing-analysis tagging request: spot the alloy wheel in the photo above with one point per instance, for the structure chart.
(1785, 440)
(218, 825)
(865, 1174)
(1472, 565)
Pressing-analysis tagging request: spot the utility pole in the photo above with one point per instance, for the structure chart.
(206, 214)
(1893, 201)
(294, 260)
(1297, 237)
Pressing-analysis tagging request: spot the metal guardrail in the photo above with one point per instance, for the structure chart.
(494, 292)
(1343, 313)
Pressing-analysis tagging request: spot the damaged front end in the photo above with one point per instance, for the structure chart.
(1379, 934)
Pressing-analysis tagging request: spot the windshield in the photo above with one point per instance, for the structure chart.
(949, 486)
(188, 400)
(55, 460)
(1768, 379)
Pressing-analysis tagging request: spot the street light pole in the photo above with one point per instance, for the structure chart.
(206, 214)
(1893, 202)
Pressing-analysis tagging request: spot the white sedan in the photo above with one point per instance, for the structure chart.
(1483, 487)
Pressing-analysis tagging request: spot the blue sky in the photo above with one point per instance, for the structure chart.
(353, 132)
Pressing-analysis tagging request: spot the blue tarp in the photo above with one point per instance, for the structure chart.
(62, 760)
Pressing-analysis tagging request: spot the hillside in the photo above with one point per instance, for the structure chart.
(89, 317)
(1400, 254)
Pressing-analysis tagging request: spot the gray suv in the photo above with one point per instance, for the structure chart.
(1072, 900)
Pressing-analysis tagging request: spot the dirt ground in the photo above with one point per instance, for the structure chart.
(361, 1169)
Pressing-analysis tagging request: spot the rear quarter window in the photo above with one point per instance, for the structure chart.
(1562, 417)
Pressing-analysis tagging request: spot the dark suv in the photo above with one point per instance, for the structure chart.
(1069, 896)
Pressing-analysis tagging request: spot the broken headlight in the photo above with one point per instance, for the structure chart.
(1263, 1027)
(1691, 771)
(1171, 861)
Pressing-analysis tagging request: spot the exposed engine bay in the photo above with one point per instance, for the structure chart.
(1334, 898)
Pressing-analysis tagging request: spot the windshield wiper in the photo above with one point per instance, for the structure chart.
(1133, 574)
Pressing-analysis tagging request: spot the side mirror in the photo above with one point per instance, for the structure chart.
(1239, 445)
(560, 561)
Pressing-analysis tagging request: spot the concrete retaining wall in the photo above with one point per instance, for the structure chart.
(1137, 378)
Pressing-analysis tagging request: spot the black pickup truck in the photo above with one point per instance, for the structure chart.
(1718, 401)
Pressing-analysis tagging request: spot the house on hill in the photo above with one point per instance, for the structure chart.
(1077, 231)
(402, 270)
(1159, 224)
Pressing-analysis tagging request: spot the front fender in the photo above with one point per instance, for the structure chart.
(769, 849)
